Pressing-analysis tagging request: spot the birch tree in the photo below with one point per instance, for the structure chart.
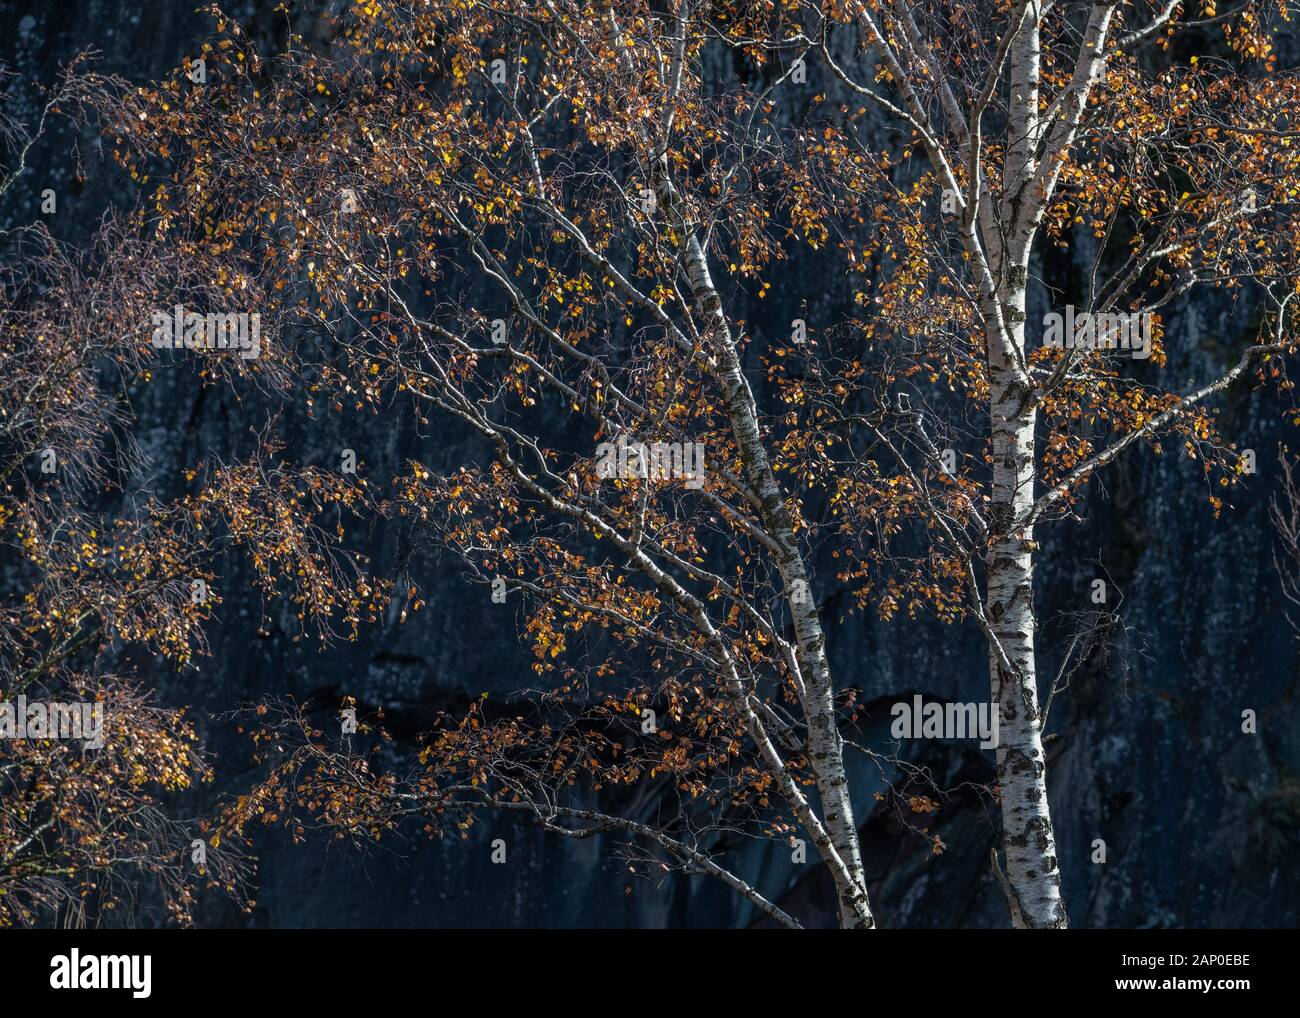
(1046, 130)
(545, 224)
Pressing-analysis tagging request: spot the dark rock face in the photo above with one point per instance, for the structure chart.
(1198, 819)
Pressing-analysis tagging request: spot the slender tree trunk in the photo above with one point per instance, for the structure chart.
(825, 746)
(1027, 836)
(1033, 879)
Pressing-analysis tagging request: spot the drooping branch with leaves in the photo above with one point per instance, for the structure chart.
(104, 564)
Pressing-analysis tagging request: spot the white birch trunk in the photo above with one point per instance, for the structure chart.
(1028, 841)
(1027, 836)
(825, 748)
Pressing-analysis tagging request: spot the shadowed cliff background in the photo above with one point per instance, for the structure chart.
(1199, 820)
